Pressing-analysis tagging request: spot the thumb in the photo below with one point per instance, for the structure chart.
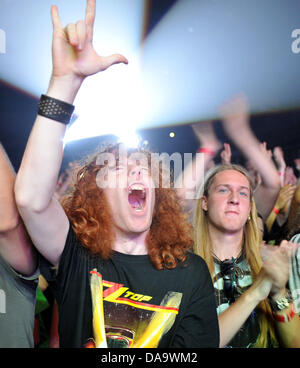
(113, 59)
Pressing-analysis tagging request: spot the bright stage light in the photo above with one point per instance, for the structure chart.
(130, 139)
(112, 103)
(202, 53)
(118, 29)
(199, 55)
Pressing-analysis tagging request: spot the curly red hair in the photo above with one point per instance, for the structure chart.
(170, 235)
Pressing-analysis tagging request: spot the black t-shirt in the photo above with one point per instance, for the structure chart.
(142, 306)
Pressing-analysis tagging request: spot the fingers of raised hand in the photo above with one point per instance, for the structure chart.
(71, 33)
(76, 34)
(81, 33)
(278, 152)
(287, 191)
(90, 13)
(108, 61)
(55, 18)
(227, 148)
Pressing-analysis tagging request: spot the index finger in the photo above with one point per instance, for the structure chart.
(227, 148)
(55, 17)
(90, 13)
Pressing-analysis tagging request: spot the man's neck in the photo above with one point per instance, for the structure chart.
(226, 245)
(134, 244)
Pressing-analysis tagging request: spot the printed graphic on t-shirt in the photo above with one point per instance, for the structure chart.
(250, 330)
(122, 318)
(243, 281)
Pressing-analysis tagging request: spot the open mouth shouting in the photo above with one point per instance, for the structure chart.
(137, 195)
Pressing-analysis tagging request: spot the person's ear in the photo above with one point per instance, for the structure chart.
(204, 203)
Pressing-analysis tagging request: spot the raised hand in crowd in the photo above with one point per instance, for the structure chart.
(290, 177)
(187, 185)
(235, 116)
(73, 54)
(226, 154)
(282, 204)
(255, 176)
(265, 150)
(280, 161)
(74, 58)
(208, 141)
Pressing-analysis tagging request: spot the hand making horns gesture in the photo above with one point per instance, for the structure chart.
(72, 47)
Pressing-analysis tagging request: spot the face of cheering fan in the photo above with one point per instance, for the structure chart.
(132, 198)
(228, 203)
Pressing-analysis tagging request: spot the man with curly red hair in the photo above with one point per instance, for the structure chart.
(125, 276)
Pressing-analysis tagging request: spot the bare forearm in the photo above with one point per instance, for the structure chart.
(15, 246)
(233, 318)
(288, 332)
(8, 212)
(188, 183)
(265, 196)
(248, 144)
(37, 177)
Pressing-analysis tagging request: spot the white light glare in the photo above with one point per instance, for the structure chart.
(112, 103)
(130, 139)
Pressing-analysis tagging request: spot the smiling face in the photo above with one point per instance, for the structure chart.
(228, 203)
(132, 198)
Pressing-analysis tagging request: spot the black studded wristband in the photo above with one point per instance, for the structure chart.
(54, 109)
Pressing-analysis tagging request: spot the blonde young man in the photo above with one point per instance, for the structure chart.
(254, 306)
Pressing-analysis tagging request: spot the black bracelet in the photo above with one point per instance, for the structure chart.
(54, 109)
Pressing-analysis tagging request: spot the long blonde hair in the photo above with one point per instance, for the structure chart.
(251, 245)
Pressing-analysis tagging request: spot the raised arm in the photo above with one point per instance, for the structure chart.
(226, 154)
(15, 246)
(236, 124)
(280, 161)
(189, 182)
(284, 198)
(73, 58)
(294, 214)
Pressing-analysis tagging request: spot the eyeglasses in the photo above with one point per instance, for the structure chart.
(227, 268)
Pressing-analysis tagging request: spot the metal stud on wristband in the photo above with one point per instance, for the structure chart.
(54, 109)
